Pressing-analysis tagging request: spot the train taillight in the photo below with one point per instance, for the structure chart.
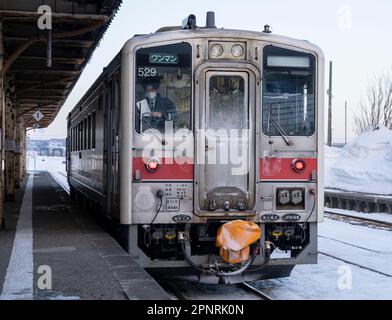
(152, 164)
(298, 165)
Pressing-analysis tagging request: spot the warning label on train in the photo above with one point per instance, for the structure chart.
(172, 204)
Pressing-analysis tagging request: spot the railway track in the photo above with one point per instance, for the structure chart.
(357, 201)
(371, 221)
(255, 290)
(189, 291)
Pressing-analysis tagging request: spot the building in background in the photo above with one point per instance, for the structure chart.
(49, 148)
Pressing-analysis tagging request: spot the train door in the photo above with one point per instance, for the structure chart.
(107, 144)
(225, 148)
(69, 146)
(115, 110)
(112, 137)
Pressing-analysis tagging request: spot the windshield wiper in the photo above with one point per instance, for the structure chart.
(163, 141)
(278, 127)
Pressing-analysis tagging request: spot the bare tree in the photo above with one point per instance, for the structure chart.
(376, 109)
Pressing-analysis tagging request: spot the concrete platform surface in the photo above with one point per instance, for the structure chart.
(52, 249)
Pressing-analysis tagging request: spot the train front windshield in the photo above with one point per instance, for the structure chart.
(288, 92)
(163, 88)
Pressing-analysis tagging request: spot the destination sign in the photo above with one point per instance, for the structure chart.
(163, 58)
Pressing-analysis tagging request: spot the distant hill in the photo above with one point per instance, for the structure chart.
(49, 148)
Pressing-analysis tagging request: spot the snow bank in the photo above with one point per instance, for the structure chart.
(364, 165)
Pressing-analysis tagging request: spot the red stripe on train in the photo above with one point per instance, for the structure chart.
(270, 169)
(169, 169)
(280, 169)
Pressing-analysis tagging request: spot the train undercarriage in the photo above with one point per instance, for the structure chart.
(192, 254)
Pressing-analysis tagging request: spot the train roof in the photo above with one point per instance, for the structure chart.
(177, 33)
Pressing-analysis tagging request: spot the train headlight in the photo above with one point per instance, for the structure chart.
(284, 196)
(237, 50)
(298, 165)
(152, 164)
(216, 50)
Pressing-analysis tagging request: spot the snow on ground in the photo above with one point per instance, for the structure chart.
(330, 278)
(347, 242)
(325, 281)
(364, 165)
(54, 165)
(42, 163)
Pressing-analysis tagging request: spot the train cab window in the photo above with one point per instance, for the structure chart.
(163, 88)
(288, 92)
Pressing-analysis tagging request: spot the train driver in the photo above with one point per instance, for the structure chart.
(155, 110)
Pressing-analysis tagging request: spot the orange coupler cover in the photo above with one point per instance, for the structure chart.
(234, 238)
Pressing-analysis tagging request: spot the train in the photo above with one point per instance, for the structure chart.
(204, 145)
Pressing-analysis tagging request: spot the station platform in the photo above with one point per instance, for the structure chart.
(52, 249)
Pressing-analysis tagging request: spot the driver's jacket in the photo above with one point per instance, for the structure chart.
(160, 104)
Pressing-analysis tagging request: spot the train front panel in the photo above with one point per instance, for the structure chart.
(220, 126)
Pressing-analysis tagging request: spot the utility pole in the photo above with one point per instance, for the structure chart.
(345, 122)
(329, 138)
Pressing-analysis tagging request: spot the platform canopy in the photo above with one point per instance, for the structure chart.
(77, 28)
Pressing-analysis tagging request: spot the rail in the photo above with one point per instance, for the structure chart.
(360, 202)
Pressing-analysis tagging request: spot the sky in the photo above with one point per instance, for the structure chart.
(354, 34)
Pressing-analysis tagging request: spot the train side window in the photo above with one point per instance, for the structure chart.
(72, 139)
(93, 126)
(89, 131)
(85, 134)
(78, 136)
(81, 135)
(288, 92)
(163, 87)
(100, 102)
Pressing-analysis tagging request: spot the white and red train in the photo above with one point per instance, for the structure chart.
(191, 127)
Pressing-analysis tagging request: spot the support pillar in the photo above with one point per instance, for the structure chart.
(24, 155)
(9, 93)
(19, 151)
